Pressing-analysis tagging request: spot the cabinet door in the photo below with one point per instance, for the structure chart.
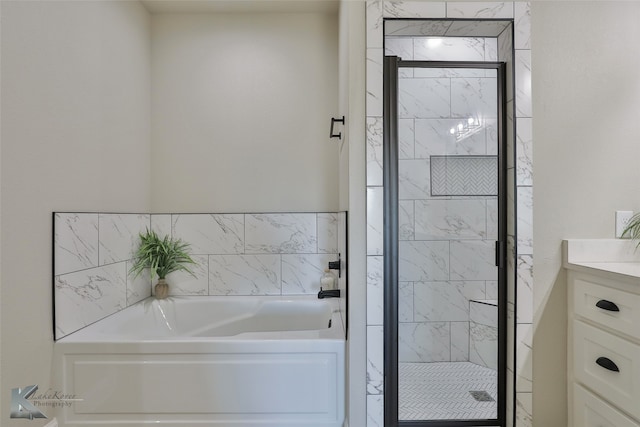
(591, 411)
(608, 365)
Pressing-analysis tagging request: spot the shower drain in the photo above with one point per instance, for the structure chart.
(481, 396)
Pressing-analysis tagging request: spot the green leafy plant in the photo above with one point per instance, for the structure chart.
(161, 255)
(632, 230)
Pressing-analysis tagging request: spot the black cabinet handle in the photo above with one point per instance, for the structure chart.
(607, 305)
(607, 363)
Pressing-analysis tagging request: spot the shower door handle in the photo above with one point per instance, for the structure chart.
(499, 253)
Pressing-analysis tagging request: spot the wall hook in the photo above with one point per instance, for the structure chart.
(332, 134)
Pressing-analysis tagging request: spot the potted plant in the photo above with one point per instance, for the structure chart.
(161, 256)
(632, 230)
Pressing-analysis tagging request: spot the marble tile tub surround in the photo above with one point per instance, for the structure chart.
(235, 254)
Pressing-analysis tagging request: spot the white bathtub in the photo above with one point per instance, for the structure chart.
(208, 361)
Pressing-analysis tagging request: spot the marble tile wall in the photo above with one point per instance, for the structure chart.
(445, 252)
(235, 254)
(483, 333)
(513, 47)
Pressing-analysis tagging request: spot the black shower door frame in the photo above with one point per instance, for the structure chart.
(390, 182)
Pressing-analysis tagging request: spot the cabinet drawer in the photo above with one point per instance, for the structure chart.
(608, 365)
(590, 411)
(610, 307)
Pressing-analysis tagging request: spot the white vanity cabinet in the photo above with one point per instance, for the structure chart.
(603, 341)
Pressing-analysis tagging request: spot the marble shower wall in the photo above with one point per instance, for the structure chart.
(446, 244)
(235, 254)
(514, 48)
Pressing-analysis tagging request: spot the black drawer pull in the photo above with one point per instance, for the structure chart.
(607, 305)
(607, 363)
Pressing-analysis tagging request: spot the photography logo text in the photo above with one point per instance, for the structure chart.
(25, 401)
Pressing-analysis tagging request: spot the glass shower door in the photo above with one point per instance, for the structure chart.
(449, 219)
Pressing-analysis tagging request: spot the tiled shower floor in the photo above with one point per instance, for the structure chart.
(440, 390)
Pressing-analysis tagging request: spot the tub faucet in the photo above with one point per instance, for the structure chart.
(329, 293)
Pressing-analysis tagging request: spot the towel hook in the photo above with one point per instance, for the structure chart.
(332, 134)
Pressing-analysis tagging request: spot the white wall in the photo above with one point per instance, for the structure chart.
(353, 198)
(586, 86)
(75, 136)
(244, 99)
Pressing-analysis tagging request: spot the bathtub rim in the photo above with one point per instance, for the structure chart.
(88, 334)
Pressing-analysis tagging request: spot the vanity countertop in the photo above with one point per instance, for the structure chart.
(604, 257)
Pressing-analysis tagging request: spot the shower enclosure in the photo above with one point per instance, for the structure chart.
(445, 238)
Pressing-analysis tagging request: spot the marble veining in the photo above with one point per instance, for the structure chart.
(244, 275)
(450, 219)
(433, 138)
(459, 341)
(424, 342)
(524, 270)
(485, 10)
(523, 83)
(76, 242)
(524, 405)
(483, 345)
(281, 233)
(484, 312)
(522, 18)
(445, 301)
(414, 179)
(161, 224)
(492, 289)
(400, 46)
(524, 366)
(474, 97)
(406, 139)
(406, 220)
(374, 23)
(487, 29)
(374, 82)
(374, 150)
(183, 283)
(327, 233)
(210, 233)
(473, 260)
(525, 220)
(86, 296)
(424, 98)
(375, 410)
(375, 220)
(119, 235)
(448, 72)
(301, 273)
(423, 261)
(375, 290)
(414, 28)
(492, 218)
(413, 9)
(524, 149)
(139, 287)
(406, 302)
(375, 359)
